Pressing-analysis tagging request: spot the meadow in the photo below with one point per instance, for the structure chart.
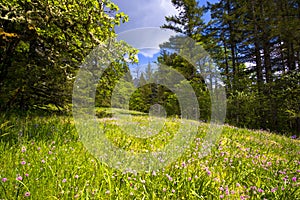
(42, 157)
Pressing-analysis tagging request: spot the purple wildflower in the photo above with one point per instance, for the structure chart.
(274, 189)
(260, 190)
(27, 194)
(23, 149)
(19, 178)
(4, 180)
(294, 179)
(64, 180)
(23, 162)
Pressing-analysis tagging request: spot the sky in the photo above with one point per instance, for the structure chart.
(148, 13)
(143, 14)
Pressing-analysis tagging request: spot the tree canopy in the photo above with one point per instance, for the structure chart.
(43, 42)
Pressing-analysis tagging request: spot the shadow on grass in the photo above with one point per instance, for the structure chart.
(36, 125)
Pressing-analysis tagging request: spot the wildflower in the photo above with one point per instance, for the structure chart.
(19, 178)
(221, 196)
(23, 162)
(23, 149)
(143, 181)
(221, 189)
(27, 194)
(107, 192)
(4, 180)
(173, 191)
(153, 173)
(26, 175)
(64, 180)
(50, 152)
(294, 179)
(227, 191)
(76, 176)
(169, 177)
(260, 190)
(183, 164)
(43, 161)
(164, 189)
(274, 189)
(294, 137)
(196, 177)
(189, 179)
(39, 148)
(253, 187)
(208, 172)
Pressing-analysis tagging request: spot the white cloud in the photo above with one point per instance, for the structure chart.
(145, 13)
(147, 40)
(149, 53)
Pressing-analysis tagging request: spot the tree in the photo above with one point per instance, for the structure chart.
(42, 45)
(256, 46)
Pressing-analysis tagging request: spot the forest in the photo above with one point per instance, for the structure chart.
(48, 150)
(255, 44)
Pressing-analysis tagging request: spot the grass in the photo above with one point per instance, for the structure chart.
(43, 158)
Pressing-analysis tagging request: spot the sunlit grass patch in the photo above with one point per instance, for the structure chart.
(43, 158)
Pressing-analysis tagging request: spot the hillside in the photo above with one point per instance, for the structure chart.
(43, 158)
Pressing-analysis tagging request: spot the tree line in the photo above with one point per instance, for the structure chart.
(257, 47)
(255, 44)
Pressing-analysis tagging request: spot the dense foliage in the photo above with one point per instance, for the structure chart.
(256, 45)
(42, 43)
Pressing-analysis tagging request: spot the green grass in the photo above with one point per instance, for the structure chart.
(47, 153)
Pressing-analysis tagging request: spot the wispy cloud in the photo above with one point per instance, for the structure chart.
(147, 40)
(145, 13)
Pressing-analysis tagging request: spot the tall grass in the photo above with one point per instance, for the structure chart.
(43, 158)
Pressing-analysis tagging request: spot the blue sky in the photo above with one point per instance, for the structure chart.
(147, 13)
